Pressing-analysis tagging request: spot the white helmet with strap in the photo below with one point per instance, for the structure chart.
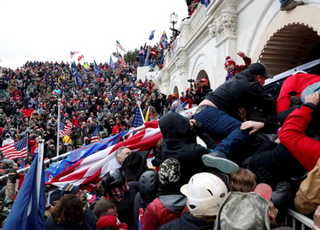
(205, 192)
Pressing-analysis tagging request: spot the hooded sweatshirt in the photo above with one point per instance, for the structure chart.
(180, 143)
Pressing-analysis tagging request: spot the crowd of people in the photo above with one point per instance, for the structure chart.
(261, 154)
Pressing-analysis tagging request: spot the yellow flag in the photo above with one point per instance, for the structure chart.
(147, 115)
(86, 65)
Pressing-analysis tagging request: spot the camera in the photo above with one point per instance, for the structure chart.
(191, 80)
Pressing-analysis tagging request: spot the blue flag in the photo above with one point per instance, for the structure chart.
(151, 35)
(146, 63)
(80, 153)
(205, 2)
(111, 63)
(96, 69)
(28, 209)
(138, 118)
(78, 79)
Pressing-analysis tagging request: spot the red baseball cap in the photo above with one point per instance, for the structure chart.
(111, 221)
(264, 190)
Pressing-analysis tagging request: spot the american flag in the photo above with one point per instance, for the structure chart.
(120, 46)
(89, 171)
(15, 149)
(95, 135)
(138, 118)
(73, 53)
(122, 60)
(65, 129)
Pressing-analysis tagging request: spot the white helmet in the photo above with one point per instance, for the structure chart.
(205, 192)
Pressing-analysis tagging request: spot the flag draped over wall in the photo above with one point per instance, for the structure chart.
(91, 169)
(80, 153)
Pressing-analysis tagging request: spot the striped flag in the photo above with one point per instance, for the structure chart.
(15, 149)
(95, 135)
(120, 46)
(89, 171)
(122, 60)
(75, 155)
(65, 129)
(73, 53)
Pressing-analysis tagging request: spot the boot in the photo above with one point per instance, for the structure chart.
(291, 5)
(219, 161)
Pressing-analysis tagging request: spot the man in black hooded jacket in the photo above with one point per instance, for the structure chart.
(179, 135)
(218, 113)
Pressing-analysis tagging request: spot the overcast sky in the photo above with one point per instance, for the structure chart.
(49, 30)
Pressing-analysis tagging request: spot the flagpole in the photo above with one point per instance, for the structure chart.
(39, 166)
(58, 126)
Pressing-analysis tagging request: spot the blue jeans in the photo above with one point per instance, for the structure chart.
(220, 125)
(162, 59)
(141, 60)
(154, 64)
(284, 2)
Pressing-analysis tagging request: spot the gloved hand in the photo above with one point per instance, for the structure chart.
(198, 128)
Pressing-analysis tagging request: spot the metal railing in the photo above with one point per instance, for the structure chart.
(297, 221)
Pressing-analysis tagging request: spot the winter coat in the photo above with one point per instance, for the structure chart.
(308, 198)
(294, 86)
(305, 149)
(241, 91)
(188, 222)
(180, 143)
(273, 163)
(163, 210)
(239, 68)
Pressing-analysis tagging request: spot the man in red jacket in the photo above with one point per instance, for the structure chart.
(170, 203)
(305, 149)
(294, 86)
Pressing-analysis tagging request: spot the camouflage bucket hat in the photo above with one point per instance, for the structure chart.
(169, 171)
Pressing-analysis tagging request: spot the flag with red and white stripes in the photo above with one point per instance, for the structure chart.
(65, 129)
(120, 46)
(120, 58)
(15, 149)
(90, 170)
(95, 135)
